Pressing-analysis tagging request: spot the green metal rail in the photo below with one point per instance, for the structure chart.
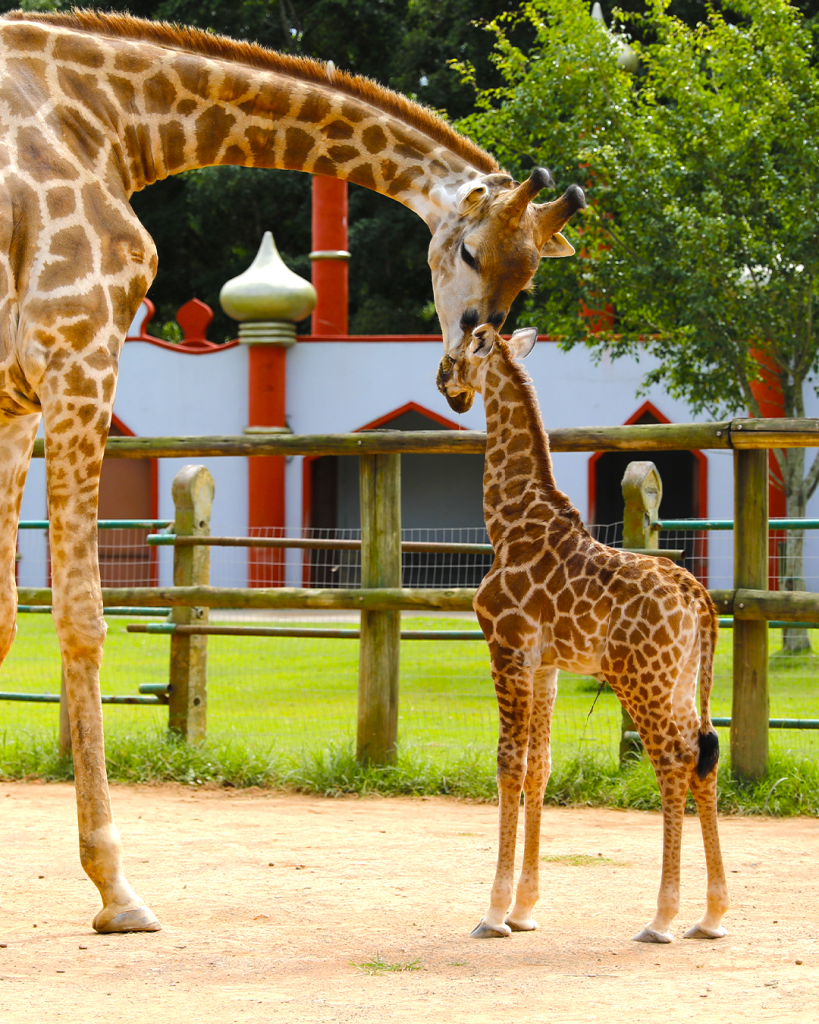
(728, 623)
(295, 631)
(54, 698)
(105, 524)
(42, 609)
(728, 524)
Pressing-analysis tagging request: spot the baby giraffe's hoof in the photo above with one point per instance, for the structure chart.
(525, 924)
(698, 931)
(490, 931)
(650, 935)
(140, 920)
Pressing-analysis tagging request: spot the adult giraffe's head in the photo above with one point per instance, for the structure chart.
(487, 250)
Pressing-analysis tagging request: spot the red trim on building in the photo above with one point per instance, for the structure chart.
(409, 407)
(195, 349)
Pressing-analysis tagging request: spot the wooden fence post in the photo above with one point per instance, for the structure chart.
(188, 690)
(642, 493)
(378, 670)
(750, 711)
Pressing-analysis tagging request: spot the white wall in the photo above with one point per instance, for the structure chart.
(165, 393)
(335, 387)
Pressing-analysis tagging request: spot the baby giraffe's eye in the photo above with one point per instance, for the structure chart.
(468, 258)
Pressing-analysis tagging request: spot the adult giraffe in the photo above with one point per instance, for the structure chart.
(94, 107)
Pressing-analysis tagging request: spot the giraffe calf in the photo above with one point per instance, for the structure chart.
(555, 598)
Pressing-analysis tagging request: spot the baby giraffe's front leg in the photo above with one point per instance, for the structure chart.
(537, 776)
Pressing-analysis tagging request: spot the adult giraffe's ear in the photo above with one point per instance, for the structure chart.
(470, 196)
(522, 342)
(551, 218)
(556, 246)
(482, 343)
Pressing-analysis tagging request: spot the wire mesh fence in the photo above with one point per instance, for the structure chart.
(288, 694)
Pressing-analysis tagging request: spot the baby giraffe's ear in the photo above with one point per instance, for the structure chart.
(522, 342)
(483, 341)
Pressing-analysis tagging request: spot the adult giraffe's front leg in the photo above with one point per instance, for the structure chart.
(514, 680)
(538, 769)
(77, 394)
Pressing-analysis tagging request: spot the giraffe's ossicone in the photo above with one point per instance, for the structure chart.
(94, 107)
(555, 598)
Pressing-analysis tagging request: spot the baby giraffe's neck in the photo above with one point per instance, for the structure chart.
(518, 483)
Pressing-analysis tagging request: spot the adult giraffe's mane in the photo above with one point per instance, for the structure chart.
(252, 55)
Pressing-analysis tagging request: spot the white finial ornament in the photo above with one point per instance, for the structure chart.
(268, 299)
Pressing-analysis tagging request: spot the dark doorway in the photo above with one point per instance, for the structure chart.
(126, 492)
(683, 498)
(441, 500)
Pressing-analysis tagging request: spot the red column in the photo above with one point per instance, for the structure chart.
(329, 255)
(266, 408)
(768, 393)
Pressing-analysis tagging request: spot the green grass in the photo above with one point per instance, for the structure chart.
(378, 965)
(282, 712)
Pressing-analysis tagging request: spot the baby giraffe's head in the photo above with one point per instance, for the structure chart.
(466, 374)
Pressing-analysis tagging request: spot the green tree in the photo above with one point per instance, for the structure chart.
(702, 172)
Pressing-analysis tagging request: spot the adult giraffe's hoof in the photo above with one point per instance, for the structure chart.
(650, 935)
(490, 931)
(698, 931)
(142, 919)
(524, 924)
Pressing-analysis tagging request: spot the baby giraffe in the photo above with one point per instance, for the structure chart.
(554, 599)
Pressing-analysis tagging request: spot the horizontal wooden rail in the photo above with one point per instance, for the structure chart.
(737, 433)
(791, 606)
(386, 599)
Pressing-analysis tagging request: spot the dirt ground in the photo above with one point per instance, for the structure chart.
(268, 900)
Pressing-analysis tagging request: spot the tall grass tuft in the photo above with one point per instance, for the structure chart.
(790, 787)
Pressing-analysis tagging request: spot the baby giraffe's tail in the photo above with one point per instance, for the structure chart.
(709, 741)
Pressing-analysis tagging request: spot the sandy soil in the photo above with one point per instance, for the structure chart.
(268, 901)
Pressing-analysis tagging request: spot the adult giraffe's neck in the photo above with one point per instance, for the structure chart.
(172, 100)
(518, 483)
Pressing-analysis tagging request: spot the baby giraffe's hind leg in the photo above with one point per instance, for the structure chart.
(673, 783)
(537, 776)
(704, 792)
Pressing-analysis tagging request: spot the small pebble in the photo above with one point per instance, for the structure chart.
(34, 926)
(83, 947)
(41, 876)
(797, 962)
(5, 945)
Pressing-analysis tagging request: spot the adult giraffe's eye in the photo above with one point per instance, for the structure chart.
(468, 258)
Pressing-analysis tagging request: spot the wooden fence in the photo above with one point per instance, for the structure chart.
(381, 596)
